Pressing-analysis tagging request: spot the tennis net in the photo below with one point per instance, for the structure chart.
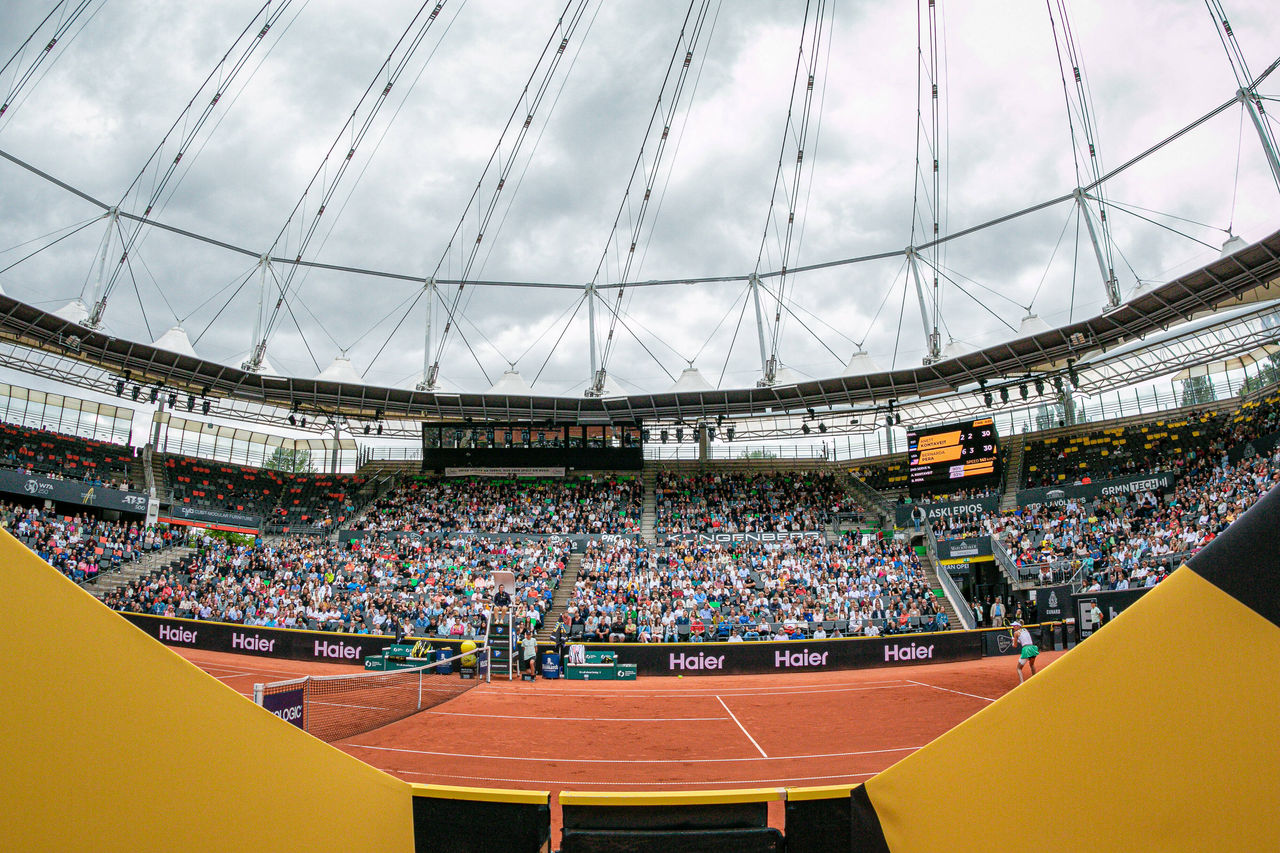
(334, 707)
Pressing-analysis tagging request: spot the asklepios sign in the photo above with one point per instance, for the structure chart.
(945, 509)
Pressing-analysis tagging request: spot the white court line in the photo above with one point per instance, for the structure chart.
(581, 719)
(690, 695)
(206, 664)
(558, 759)
(957, 692)
(763, 754)
(623, 786)
(230, 675)
(544, 690)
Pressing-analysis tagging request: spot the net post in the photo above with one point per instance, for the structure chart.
(257, 694)
(419, 690)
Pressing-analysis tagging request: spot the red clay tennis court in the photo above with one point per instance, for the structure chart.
(757, 731)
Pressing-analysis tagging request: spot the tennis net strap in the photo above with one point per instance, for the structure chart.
(334, 707)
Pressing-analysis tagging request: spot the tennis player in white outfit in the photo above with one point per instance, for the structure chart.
(1030, 652)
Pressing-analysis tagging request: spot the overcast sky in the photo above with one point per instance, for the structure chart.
(105, 103)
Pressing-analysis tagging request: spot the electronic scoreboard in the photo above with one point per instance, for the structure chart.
(952, 453)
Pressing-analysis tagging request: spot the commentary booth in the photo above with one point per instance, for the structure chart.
(541, 448)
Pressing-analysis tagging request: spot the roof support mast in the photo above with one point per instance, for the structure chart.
(768, 366)
(258, 346)
(927, 82)
(429, 371)
(1079, 104)
(932, 338)
(99, 304)
(1108, 273)
(1247, 94)
(596, 388)
(791, 190)
(1249, 97)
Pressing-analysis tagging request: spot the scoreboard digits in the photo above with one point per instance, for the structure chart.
(952, 452)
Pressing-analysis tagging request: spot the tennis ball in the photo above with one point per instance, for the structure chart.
(679, 676)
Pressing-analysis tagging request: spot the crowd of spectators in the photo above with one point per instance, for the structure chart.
(1111, 452)
(1126, 540)
(64, 457)
(79, 546)
(970, 494)
(591, 505)
(723, 502)
(800, 588)
(1120, 542)
(424, 587)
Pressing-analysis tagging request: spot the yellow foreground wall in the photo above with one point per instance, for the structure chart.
(1152, 735)
(112, 742)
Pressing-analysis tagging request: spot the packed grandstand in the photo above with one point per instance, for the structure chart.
(418, 557)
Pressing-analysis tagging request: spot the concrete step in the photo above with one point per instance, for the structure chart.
(152, 562)
(649, 515)
(1013, 474)
(563, 595)
(931, 575)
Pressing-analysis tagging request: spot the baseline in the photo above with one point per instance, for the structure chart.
(400, 749)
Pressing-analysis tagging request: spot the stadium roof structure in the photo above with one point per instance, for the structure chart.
(1245, 276)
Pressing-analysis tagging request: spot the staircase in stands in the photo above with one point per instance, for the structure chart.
(1012, 474)
(649, 514)
(157, 472)
(874, 503)
(563, 595)
(139, 568)
(138, 473)
(931, 570)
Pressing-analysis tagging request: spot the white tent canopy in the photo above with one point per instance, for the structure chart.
(340, 370)
(176, 340)
(511, 382)
(691, 379)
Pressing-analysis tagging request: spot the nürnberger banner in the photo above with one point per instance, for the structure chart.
(290, 643)
(1057, 495)
(754, 657)
(713, 538)
(945, 509)
(71, 492)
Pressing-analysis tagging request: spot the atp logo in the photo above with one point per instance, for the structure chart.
(89, 497)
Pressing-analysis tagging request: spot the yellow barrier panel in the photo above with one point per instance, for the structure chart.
(117, 743)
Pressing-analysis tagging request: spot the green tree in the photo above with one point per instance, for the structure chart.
(1268, 374)
(759, 454)
(1197, 390)
(290, 461)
